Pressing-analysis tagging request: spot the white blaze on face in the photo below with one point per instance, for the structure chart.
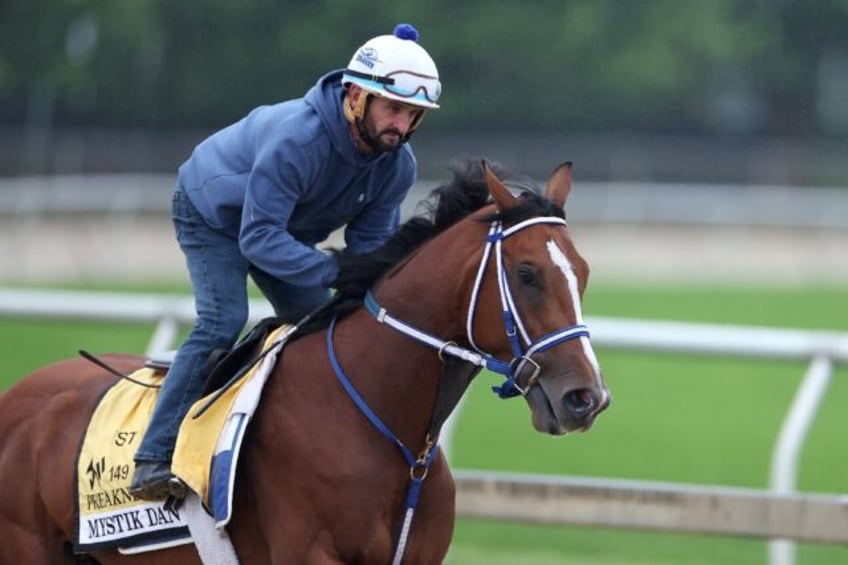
(561, 261)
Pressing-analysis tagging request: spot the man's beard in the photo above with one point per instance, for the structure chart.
(374, 139)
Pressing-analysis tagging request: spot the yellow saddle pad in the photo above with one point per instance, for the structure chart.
(107, 514)
(207, 448)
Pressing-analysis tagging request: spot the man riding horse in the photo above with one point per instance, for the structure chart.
(256, 197)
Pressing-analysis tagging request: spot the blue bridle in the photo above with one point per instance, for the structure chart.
(523, 347)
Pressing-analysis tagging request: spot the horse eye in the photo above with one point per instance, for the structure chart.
(527, 275)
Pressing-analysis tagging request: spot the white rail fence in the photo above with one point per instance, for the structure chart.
(779, 513)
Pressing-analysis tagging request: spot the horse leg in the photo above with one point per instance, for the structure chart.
(318, 555)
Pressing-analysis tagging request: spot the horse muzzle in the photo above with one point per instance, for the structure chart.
(558, 410)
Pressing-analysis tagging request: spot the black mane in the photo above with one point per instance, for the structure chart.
(447, 204)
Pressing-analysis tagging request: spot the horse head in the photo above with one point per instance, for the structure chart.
(507, 294)
(525, 305)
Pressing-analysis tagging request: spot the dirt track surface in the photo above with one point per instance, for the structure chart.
(39, 250)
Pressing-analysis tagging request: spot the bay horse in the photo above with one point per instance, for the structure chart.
(480, 282)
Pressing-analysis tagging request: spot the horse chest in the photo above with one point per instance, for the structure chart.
(371, 514)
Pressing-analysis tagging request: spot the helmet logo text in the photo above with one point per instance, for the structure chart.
(367, 56)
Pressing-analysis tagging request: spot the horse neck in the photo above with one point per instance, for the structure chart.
(431, 291)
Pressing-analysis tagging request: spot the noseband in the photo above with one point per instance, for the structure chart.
(523, 347)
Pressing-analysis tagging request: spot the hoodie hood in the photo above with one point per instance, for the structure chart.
(326, 98)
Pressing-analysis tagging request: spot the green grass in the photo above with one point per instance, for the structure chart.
(683, 418)
(698, 419)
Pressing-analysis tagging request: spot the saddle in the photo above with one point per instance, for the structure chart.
(225, 364)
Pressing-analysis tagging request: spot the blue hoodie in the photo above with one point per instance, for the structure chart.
(287, 175)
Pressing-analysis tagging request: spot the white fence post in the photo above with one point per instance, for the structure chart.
(164, 336)
(787, 450)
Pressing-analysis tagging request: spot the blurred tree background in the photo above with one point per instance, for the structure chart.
(653, 89)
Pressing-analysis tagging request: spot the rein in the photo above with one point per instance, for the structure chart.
(522, 357)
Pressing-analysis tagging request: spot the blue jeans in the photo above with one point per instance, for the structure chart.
(219, 280)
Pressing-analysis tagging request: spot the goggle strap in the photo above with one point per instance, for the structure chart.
(372, 78)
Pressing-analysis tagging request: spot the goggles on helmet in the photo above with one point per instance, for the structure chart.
(406, 84)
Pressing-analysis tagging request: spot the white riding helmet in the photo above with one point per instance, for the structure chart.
(396, 67)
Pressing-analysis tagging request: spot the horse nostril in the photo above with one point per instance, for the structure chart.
(581, 401)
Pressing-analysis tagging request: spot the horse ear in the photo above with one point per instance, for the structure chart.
(559, 185)
(502, 196)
